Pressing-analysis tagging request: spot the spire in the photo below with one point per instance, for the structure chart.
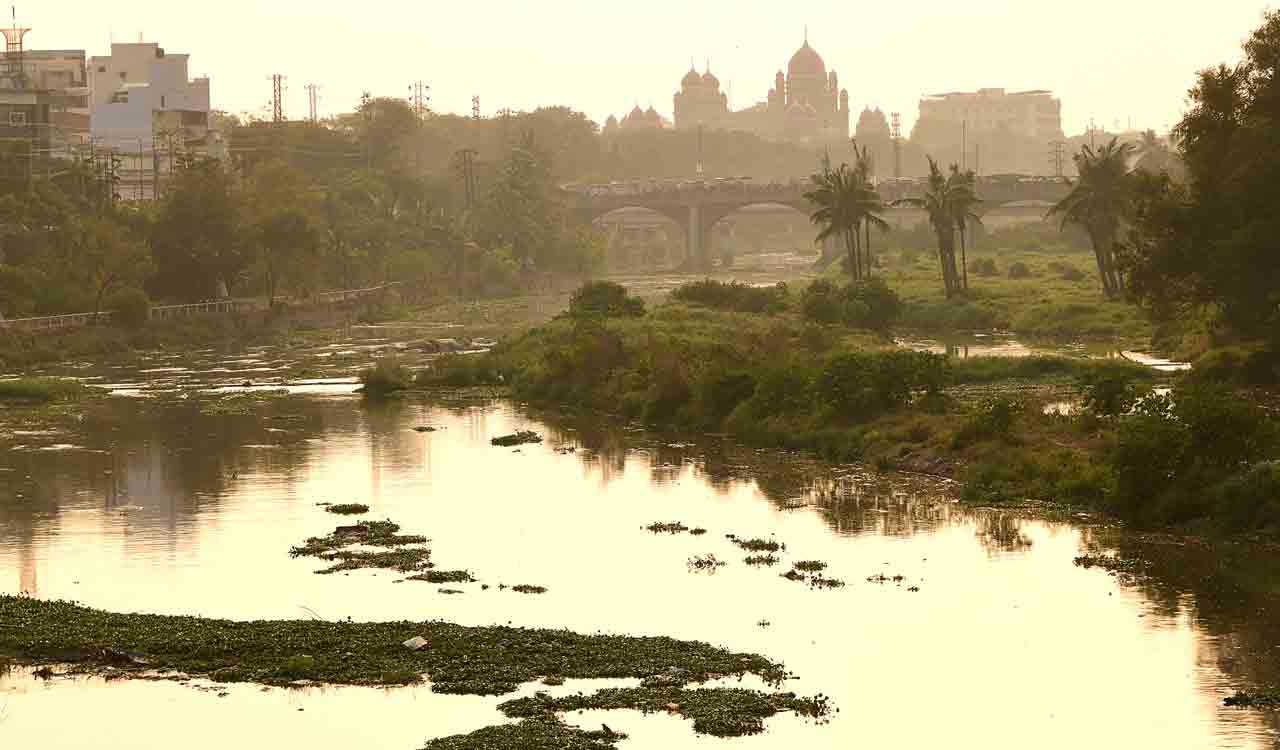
(806, 35)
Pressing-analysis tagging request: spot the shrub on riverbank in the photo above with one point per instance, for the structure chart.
(387, 376)
(868, 303)
(732, 296)
(40, 390)
(604, 299)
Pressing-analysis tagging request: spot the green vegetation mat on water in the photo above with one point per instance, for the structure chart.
(457, 660)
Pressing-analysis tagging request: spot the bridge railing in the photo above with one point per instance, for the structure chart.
(170, 312)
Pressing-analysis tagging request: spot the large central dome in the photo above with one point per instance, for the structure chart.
(807, 63)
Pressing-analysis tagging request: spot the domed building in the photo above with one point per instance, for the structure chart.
(637, 119)
(805, 104)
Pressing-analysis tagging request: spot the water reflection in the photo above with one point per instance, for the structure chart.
(172, 506)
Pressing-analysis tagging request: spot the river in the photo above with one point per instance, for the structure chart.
(183, 503)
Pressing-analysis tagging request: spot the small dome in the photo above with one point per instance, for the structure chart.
(710, 80)
(691, 79)
(807, 63)
(636, 112)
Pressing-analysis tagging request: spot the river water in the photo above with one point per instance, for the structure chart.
(186, 504)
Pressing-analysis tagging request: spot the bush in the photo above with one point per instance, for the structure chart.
(130, 308)
(863, 385)
(992, 421)
(734, 296)
(984, 267)
(1112, 390)
(1250, 502)
(1173, 450)
(820, 303)
(868, 303)
(460, 371)
(1239, 365)
(1019, 270)
(604, 299)
(385, 377)
(40, 390)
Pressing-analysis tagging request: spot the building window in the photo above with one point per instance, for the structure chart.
(162, 101)
(102, 69)
(18, 119)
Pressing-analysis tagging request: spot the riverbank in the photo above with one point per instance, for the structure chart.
(1051, 429)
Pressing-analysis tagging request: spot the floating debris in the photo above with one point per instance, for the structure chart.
(675, 527)
(708, 562)
(399, 554)
(757, 545)
(769, 560)
(810, 566)
(443, 576)
(527, 589)
(1246, 699)
(523, 437)
(698, 532)
(348, 509)
(424, 428)
(820, 582)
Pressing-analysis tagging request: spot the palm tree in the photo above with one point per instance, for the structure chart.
(963, 197)
(867, 204)
(1099, 203)
(834, 197)
(937, 203)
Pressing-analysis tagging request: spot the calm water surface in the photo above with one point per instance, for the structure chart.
(169, 505)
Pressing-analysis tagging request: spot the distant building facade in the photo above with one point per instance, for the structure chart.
(1028, 114)
(139, 86)
(806, 104)
(638, 119)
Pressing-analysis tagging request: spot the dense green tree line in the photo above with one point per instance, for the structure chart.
(359, 202)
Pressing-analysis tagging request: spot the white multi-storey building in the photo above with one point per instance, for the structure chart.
(139, 88)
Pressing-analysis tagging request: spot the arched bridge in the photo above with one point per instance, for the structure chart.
(697, 205)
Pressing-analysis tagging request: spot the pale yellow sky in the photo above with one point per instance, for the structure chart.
(1114, 62)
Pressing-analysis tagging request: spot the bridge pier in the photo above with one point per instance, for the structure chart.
(695, 240)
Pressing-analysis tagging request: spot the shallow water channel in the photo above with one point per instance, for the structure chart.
(164, 505)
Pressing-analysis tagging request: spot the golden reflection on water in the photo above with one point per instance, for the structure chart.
(1005, 645)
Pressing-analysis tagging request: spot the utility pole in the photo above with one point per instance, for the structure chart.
(964, 144)
(312, 97)
(366, 106)
(277, 98)
(475, 108)
(155, 168)
(469, 175)
(698, 166)
(896, 119)
(1055, 157)
(419, 98)
(977, 159)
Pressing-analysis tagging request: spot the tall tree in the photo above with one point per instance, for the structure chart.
(833, 196)
(1100, 201)
(1210, 242)
(197, 241)
(963, 197)
(937, 202)
(112, 258)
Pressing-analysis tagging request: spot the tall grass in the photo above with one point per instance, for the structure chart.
(40, 390)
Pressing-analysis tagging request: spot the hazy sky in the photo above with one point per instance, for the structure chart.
(1111, 61)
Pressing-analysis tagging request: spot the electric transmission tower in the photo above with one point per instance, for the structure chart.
(1056, 157)
(419, 97)
(277, 98)
(313, 96)
(475, 108)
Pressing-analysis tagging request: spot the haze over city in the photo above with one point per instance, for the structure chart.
(1138, 60)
